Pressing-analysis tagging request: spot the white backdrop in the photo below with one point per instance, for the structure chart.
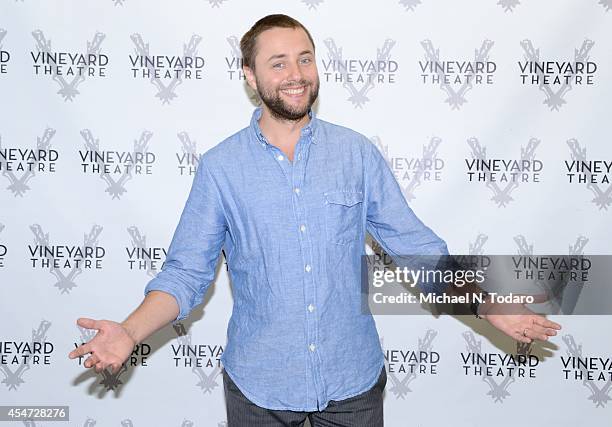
(430, 133)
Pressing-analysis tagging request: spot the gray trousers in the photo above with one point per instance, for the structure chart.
(365, 409)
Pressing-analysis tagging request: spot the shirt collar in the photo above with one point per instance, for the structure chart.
(308, 130)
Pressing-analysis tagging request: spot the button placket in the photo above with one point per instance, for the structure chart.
(297, 174)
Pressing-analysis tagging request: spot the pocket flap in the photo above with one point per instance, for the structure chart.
(346, 198)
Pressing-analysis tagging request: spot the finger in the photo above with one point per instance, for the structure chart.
(542, 321)
(537, 332)
(80, 350)
(91, 361)
(88, 323)
(543, 330)
(88, 362)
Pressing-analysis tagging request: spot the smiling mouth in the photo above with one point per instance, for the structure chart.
(294, 91)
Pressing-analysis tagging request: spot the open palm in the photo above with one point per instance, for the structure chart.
(110, 347)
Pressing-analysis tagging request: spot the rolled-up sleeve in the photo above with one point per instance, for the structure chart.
(392, 222)
(193, 253)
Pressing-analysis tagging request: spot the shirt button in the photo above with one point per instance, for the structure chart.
(302, 228)
(297, 190)
(307, 268)
(310, 308)
(280, 157)
(312, 347)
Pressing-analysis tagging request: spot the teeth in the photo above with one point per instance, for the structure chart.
(294, 91)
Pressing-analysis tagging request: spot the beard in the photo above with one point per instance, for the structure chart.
(279, 108)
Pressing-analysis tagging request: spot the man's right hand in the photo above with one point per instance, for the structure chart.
(110, 347)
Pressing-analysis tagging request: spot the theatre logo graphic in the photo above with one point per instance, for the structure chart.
(556, 78)
(526, 249)
(68, 257)
(20, 165)
(166, 72)
(216, 3)
(503, 175)
(110, 381)
(456, 77)
(412, 172)
(404, 366)
(553, 282)
(594, 371)
(359, 75)
(312, 4)
(606, 4)
(114, 167)
(5, 56)
(498, 370)
(142, 257)
(410, 5)
(188, 159)
(477, 246)
(594, 174)
(523, 246)
(234, 60)
(18, 357)
(69, 69)
(203, 359)
(234, 71)
(508, 5)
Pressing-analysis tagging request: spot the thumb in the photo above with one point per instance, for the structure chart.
(88, 323)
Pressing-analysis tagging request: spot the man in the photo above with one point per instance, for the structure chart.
(293, 217)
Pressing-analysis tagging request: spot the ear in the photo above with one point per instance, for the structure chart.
(250, 77)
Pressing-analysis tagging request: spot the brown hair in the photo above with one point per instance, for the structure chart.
(248, 42)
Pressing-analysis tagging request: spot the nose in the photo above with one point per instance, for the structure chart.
(294, 72)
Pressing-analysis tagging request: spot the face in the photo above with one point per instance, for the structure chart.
(285, 75)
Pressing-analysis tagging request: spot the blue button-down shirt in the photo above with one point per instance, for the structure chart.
(294, 234)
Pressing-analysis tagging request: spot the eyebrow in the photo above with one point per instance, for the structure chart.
(282, 55)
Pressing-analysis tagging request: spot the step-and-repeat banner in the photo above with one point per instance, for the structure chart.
(493, 115)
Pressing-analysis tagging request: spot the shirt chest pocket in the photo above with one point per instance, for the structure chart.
(343, 216)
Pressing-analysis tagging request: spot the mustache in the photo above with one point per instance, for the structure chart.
(292, 85)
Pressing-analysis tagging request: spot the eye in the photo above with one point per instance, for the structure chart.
(278, 65)
(306, 60)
